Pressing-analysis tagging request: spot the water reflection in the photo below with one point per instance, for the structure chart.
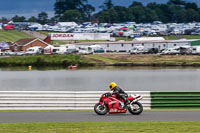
(98, 78)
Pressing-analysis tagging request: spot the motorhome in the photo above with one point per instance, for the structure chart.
(85, 50)
(171, 51)
(59, 50)
(34, 50)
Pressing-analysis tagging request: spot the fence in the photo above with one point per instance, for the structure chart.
(85, 100)
(183, 100)
(57, 100)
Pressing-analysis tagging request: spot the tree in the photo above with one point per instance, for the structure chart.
(32, 19)
(107, 5)
(138, 13)
(191, 6)
(192, 15)
(61, 6)
(151, 15)
(4, 20)
(71, 16)
(88, 11)
(42, 17)
(176, 2)
(135, 3)
(19, 19)
(122, 13)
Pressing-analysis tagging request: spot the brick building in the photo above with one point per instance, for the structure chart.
(24, 44)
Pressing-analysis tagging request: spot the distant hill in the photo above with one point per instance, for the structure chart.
(12, 36)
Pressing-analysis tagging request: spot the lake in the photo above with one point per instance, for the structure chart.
(98, 79)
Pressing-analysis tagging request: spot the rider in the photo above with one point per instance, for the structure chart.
(120, 93)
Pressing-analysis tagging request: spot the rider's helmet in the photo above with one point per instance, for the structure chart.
(112, 85)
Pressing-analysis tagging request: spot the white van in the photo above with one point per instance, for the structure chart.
(137, 50)
(171, 51)
(34, 50)
(196, 50)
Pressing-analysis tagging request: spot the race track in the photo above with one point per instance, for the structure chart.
(90, 116)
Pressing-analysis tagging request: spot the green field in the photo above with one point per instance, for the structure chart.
(12, 36)
(102, 127)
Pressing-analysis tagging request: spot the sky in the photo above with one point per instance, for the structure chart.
(28, 8)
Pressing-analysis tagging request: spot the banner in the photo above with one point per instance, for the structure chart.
(80, 36)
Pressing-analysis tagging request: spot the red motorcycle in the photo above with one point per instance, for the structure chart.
(110, 103)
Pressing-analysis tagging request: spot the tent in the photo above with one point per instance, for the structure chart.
(124, 28)
(9, 27)
(4, 46)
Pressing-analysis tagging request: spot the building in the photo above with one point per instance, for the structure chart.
(126, 46)
(24, 44)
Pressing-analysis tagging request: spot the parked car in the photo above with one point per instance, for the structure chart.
(71, 51)
(151, 51)
(9, 53)
(84, 50)
(20, 53)
(99, 51)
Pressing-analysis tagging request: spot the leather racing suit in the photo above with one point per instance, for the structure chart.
(121, 94)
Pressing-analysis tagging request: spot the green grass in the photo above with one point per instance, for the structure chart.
(102, 127)
(12, 36)
(182, 36)
(123, 38)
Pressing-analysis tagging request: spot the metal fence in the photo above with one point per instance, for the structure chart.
(57, 100)
(175, 100)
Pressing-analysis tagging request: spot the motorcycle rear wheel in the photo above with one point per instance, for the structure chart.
(100, 109)
(135, 108)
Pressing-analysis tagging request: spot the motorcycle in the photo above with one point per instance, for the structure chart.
(109, 103)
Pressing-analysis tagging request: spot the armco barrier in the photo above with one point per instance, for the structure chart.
(181, 100)
(57, 100)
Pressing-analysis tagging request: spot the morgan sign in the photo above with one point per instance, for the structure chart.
(80, 36)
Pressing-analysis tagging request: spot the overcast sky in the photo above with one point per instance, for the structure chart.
(28, 8)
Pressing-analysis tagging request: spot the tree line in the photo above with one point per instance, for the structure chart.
(79, 11)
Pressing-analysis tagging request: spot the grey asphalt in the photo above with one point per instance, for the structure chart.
(90, 116)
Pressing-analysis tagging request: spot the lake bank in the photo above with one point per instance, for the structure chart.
(126, 60)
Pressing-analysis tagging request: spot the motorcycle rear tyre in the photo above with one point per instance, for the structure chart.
(99, 112)
(136, 112)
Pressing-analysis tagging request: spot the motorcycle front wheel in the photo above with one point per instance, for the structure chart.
(135, 108)
(101, 109)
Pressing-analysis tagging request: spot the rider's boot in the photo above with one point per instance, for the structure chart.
(127, 102)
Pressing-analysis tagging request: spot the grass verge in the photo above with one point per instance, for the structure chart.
(102, 127)
(45, 60)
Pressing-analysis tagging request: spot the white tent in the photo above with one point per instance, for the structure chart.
(66, 24)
